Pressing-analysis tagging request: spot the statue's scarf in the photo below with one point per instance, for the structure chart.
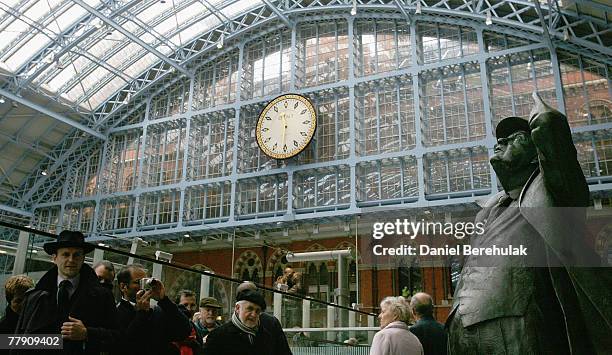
(251, 332)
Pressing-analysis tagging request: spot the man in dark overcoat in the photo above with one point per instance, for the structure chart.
(70, 301)
(243, 334)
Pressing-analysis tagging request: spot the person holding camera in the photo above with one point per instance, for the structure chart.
(148, 330)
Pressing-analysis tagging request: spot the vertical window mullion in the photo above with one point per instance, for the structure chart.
(465, 100)
(213, 89)
(377, 96)
(334, 146)
(179, 141)
(205, 202)
(162, 159)
(337, 58)
(397, 47)
(379, 180)
(263, 68)
(224, 154)
(375, 47)
(402, 165)
(209, 121)
(447, 167)
(399, 115)
(595, 157)
(584, 88)
(443, 105)
(511, 86)
(471, 168)
(316, 61)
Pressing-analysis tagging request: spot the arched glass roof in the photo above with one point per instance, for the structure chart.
(84, 51)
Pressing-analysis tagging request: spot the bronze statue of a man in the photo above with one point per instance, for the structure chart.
(550, 302)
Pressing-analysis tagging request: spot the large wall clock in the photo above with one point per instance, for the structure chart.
(285, 126)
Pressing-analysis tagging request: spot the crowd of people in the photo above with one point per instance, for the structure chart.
(76, 301)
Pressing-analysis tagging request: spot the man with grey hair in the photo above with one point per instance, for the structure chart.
(270, 323)
(206, 319)
(431, 334)
(243, 335)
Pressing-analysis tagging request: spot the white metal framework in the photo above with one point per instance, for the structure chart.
(407, 94)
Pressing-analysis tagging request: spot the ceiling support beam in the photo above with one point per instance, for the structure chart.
(547, 38)
(218, 14)
(133, 38)
(594, 4)
(406, 14)
(27, 145)
(105, 65)
(14, 210)
(280, 15)
(43, 110)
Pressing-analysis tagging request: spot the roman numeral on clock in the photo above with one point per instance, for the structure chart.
(295, 143)
(303, 134)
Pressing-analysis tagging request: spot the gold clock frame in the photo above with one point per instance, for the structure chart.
(310, 133)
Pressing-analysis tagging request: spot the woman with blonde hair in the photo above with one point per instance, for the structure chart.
(395, 338)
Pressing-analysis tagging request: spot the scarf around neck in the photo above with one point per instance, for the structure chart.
(251, 332)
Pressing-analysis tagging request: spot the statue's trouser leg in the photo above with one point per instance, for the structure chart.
(522, 335)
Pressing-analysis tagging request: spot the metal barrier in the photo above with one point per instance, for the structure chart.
(335, 350)
(332, 323)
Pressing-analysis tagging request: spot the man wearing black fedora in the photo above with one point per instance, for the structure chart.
(70, 301)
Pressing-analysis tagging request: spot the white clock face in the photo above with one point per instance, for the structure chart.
(286, 126)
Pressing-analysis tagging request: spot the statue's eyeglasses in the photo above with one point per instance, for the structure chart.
(512, 137)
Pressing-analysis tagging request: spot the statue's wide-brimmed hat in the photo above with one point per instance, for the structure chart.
(68, 239)
(509, 125)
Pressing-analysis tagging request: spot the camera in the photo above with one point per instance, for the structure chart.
(146, 283)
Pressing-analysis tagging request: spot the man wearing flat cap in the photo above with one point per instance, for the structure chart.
(70, 301)
(243, 335)
(207, 316)
(552, 301)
